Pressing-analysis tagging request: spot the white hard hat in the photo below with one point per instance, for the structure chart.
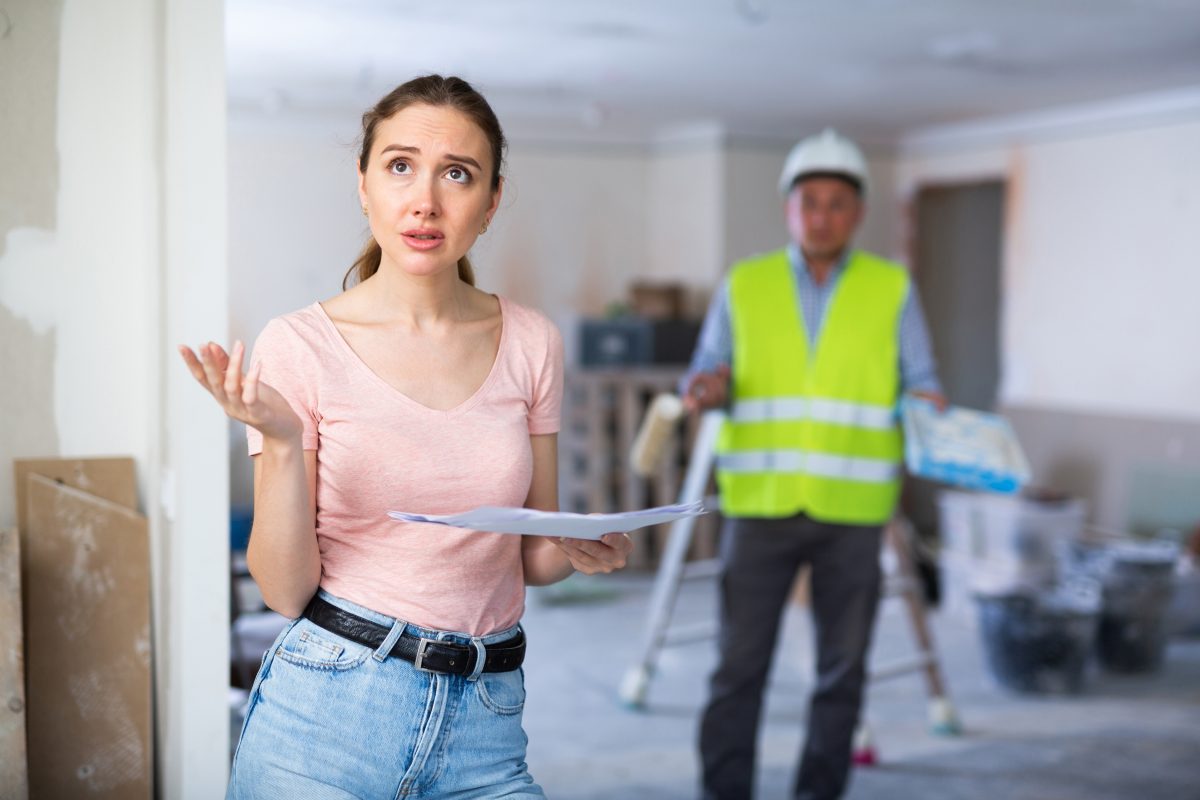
(829, 152)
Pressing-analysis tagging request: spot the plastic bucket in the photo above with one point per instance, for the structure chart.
(996, 544)
(1137, 589)
(1040, 642)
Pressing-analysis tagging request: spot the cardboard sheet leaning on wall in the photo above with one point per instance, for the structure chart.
(13, 782)
(86, 579)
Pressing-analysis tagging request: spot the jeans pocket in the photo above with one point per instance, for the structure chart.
(502, 692)
(309, 645)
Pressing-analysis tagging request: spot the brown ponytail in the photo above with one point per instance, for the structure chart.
(466, 272)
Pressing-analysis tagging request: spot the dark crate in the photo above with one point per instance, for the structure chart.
(633, 340)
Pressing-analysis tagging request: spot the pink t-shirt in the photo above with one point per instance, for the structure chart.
(379, 450)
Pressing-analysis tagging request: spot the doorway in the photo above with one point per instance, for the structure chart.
(957, 269)
(957, 240)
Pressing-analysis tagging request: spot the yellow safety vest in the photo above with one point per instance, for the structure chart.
(813, 431)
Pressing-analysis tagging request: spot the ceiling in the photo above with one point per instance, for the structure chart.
(636, 70)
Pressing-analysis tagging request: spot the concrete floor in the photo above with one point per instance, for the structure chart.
(1124, 737)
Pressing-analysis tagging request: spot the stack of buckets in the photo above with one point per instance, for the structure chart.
(1046, 600)
(1138, 582)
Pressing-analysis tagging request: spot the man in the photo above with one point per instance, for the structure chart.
(810, 347)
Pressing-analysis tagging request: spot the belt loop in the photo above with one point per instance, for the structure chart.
(480, 658)
(390, 640)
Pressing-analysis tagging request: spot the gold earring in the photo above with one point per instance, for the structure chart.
(483, 230)
(364, 210)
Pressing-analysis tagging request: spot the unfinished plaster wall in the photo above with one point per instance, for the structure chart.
(29, 53)
(79, 294)
(29, 82)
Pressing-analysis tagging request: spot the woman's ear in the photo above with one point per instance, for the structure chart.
(491, 212)
(362, 187)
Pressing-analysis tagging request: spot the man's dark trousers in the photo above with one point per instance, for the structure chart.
(760, 560)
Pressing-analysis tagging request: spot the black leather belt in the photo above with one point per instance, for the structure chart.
(431, 655)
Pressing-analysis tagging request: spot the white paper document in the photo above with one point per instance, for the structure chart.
(555, 523)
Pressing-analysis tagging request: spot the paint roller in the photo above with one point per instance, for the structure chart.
(654, 434)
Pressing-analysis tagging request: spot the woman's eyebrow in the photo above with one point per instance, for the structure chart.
(449, 156)
(464, 159)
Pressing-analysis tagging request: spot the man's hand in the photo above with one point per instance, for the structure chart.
(707, 390)
(937, 398)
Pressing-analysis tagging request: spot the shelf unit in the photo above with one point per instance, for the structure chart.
(603, 408)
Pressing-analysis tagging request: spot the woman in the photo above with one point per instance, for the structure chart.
(400, 675)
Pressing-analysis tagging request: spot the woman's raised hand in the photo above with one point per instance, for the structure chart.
(244, 398)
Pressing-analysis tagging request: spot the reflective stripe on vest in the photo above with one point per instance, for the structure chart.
(868, 470)
(837, 412)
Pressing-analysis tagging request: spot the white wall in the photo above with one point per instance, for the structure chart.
(882, 231)
(130, 260)
(192, 611)
(1100, 267)
(571, 228)
(684, 206)
(295, 223)
(753, 208)
(1102, 283)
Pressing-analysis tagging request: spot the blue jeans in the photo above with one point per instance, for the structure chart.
(330, 719)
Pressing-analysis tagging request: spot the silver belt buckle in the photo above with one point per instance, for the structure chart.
(419, 659)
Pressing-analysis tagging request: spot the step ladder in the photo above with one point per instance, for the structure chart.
(674, 569)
